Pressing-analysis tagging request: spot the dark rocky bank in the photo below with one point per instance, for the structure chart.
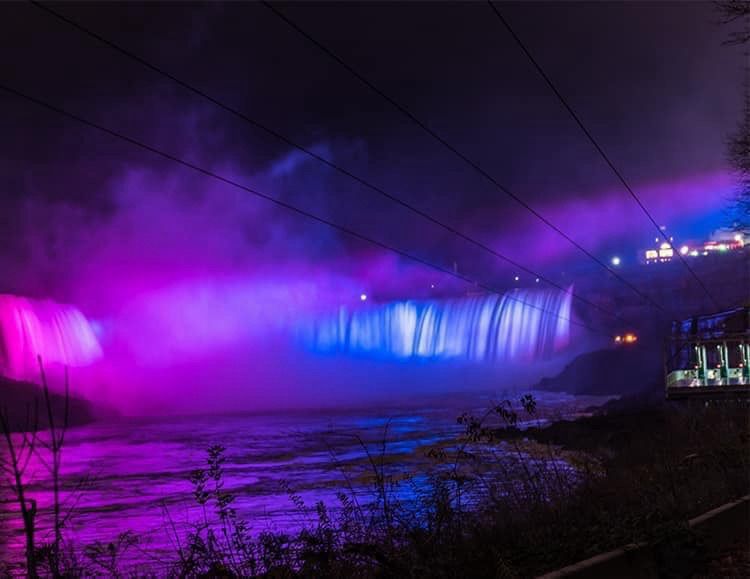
(25, 406)
(621, 370)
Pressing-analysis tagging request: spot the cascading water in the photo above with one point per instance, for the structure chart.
(60, 334)
(522, 324)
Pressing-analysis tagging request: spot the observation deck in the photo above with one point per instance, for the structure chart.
(709, 357)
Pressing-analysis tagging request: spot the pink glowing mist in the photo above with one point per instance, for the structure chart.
(192, 287)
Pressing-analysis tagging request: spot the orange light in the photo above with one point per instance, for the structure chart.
(630, 338)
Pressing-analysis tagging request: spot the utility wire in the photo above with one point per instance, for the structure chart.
(280, 203)
(598, 147)
(455, 151)
(259, 125)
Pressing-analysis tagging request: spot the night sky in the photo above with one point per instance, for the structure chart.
(652, 81)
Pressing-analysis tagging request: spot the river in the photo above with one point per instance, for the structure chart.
(134, 474)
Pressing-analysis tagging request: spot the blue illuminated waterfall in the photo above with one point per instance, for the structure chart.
(521, 324)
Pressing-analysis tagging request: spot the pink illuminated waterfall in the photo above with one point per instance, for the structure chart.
(60, 334)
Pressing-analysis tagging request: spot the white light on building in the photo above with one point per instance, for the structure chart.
(615, 261)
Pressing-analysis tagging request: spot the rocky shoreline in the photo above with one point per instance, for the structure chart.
(24, 405)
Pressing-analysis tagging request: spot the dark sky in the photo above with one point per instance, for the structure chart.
(652, 81)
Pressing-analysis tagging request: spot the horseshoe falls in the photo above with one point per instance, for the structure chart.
(520, 324)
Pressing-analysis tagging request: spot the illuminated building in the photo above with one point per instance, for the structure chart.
(666, 251)
(628, 338)
(709, 356)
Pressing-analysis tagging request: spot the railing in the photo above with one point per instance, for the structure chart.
(715, 363)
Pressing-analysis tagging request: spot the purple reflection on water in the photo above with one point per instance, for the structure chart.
(136, 472)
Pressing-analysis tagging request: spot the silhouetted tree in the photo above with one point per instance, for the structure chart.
(732, 11)
(21, 443)
(14, 461)
(738, 145)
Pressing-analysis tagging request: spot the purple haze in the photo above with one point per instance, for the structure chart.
(192, 284)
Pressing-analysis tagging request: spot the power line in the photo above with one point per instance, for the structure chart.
(454, 150)
(280, 203)
(597, 146)
(259, 125)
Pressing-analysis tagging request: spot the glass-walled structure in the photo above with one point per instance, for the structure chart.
(709, 356)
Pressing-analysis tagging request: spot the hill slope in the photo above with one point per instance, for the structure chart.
(613, 371)
(23, 400)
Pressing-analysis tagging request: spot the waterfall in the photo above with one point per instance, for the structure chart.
(60, 334)
(521, 324)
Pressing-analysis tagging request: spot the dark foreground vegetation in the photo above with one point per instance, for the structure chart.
(500, 502)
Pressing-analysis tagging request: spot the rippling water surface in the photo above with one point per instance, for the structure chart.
(133, 474)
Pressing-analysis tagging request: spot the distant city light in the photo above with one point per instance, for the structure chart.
(363, 297)
(516, 278)
(615, 260)
(537, 280)
(665, 251)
